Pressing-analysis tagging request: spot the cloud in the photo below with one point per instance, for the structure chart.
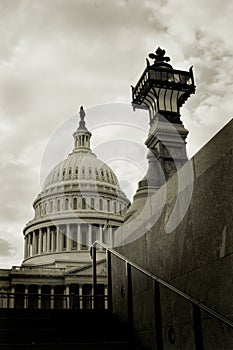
(6, 249)
(58, 55)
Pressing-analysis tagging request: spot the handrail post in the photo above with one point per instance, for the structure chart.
(109, 267)
(158, 316)
(94, 275)
(130, 300)
(197, 327)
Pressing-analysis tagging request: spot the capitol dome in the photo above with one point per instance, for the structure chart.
(80, 201)
(81, 166)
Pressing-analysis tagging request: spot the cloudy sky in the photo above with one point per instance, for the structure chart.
(59, 54)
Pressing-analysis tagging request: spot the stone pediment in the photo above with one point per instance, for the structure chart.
(87, 269)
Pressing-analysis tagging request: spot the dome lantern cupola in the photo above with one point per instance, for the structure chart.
(82, 136)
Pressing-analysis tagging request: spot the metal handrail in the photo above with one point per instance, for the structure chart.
(197, 305)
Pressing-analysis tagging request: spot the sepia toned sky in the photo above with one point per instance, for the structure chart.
(59, 54)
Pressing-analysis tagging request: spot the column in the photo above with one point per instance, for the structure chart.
(26, 297)
(25, 247)
(68, 235)
(80, 296)
(39, 297)
(34, 243)
(52, 240)
(12, 298)
(40, 241)
(48, 239)
(45, 240)
(79, 237)
(52, 297)
(58, 239)
(29, 243)
(67, 300)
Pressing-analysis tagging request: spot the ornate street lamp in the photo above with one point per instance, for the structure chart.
(163, 90)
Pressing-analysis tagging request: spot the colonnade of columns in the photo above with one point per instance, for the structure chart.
(65, 237)
(63, 298)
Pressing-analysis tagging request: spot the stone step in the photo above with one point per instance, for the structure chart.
(61, 329)
(69, 346)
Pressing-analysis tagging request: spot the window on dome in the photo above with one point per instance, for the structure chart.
(115, 207)
(66, 204)
(70, 172)
(102, 173)
(51, 207)
(64, 172)
(90, 171)
(45, 208)
(83, 203)
(120, 208)
(58, 205)
(92, 203)
(108, 205)
(101, 204)
(76, 170)
(96, 173)
(75, 203)
(83, 170)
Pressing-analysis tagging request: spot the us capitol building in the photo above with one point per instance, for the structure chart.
(80, 202)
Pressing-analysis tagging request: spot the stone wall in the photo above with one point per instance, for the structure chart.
(196, 256)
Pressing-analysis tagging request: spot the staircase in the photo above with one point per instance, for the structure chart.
(61, 330)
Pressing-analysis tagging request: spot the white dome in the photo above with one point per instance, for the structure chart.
(80, 201)
(81, 166)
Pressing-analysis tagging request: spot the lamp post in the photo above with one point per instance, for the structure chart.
(162, 90)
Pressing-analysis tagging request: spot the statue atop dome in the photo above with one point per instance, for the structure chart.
(82, 114)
